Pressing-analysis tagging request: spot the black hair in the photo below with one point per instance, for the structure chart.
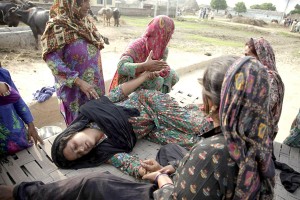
(213, 78)
(79, 2)
(63, 144)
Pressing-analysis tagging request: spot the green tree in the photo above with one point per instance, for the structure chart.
(255, 6)
(264, 6)
(268, 6)
(218, 4)
(296, 10)
(240, 7)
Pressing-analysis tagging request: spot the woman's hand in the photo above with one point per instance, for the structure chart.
(33, 134)
(169, 169)
(151, 165)
(4, 89)
(149, 75)
(87, 89)
(151, 176)
(154, 65)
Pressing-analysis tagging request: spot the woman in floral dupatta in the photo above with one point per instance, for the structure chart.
(261, 49)
(149, 53)
(247, 127)
(71, 48)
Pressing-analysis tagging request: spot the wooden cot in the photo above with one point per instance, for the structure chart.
(35, 164)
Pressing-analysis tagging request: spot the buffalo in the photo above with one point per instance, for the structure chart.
(107, 14)
(116, 16)
(4, 8)
(36, 18)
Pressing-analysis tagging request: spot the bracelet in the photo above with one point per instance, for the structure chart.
(166, 184)
(156, 178)
(4, 94)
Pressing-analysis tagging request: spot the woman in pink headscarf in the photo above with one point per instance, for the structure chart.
(261, 49)
(149, 53)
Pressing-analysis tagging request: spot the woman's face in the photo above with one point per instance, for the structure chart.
(84, 8)
(79, 145)
(248, 52)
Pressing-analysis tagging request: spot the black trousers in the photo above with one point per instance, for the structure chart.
(96, 185)
(169, 153)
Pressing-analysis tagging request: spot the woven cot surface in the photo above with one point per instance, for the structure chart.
(35, 164)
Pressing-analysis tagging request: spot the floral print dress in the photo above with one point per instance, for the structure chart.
(126, 71)
(78, 59)
(13, 115)
(206, 172)
(293, 139)
(161, 120)
(155, 38)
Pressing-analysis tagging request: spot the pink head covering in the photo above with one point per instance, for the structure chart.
(155, 38)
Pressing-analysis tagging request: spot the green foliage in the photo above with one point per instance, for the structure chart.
(264, 6)
(240, 7)
(296, 10)
(255, 6)
(218, 4)
(268, 6)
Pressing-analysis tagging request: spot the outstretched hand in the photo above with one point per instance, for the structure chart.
(151, 176)
(151, 165)
(154, 65)
(169, 169)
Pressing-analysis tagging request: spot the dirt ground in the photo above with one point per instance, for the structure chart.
(218, 37)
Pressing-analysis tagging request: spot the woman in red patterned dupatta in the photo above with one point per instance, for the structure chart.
(149, 53)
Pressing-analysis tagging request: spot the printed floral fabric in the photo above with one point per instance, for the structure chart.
(155, 38)
(247, 126)
(13, 133)
(161, 121)
(206, 172)
(126, 72)
(266, 56)
(293, 139)
(66, 26)
(78, 59)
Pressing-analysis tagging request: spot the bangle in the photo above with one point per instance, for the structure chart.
(166, 184)
(4, 94)
(156, 178)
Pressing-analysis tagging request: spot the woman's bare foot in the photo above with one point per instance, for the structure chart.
(6, 192)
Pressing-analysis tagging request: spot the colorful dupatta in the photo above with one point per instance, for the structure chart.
(155, 38)
(65, 26)
(266, 56)
(246, 125)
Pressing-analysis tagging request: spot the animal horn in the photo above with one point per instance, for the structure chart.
(13, 9)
